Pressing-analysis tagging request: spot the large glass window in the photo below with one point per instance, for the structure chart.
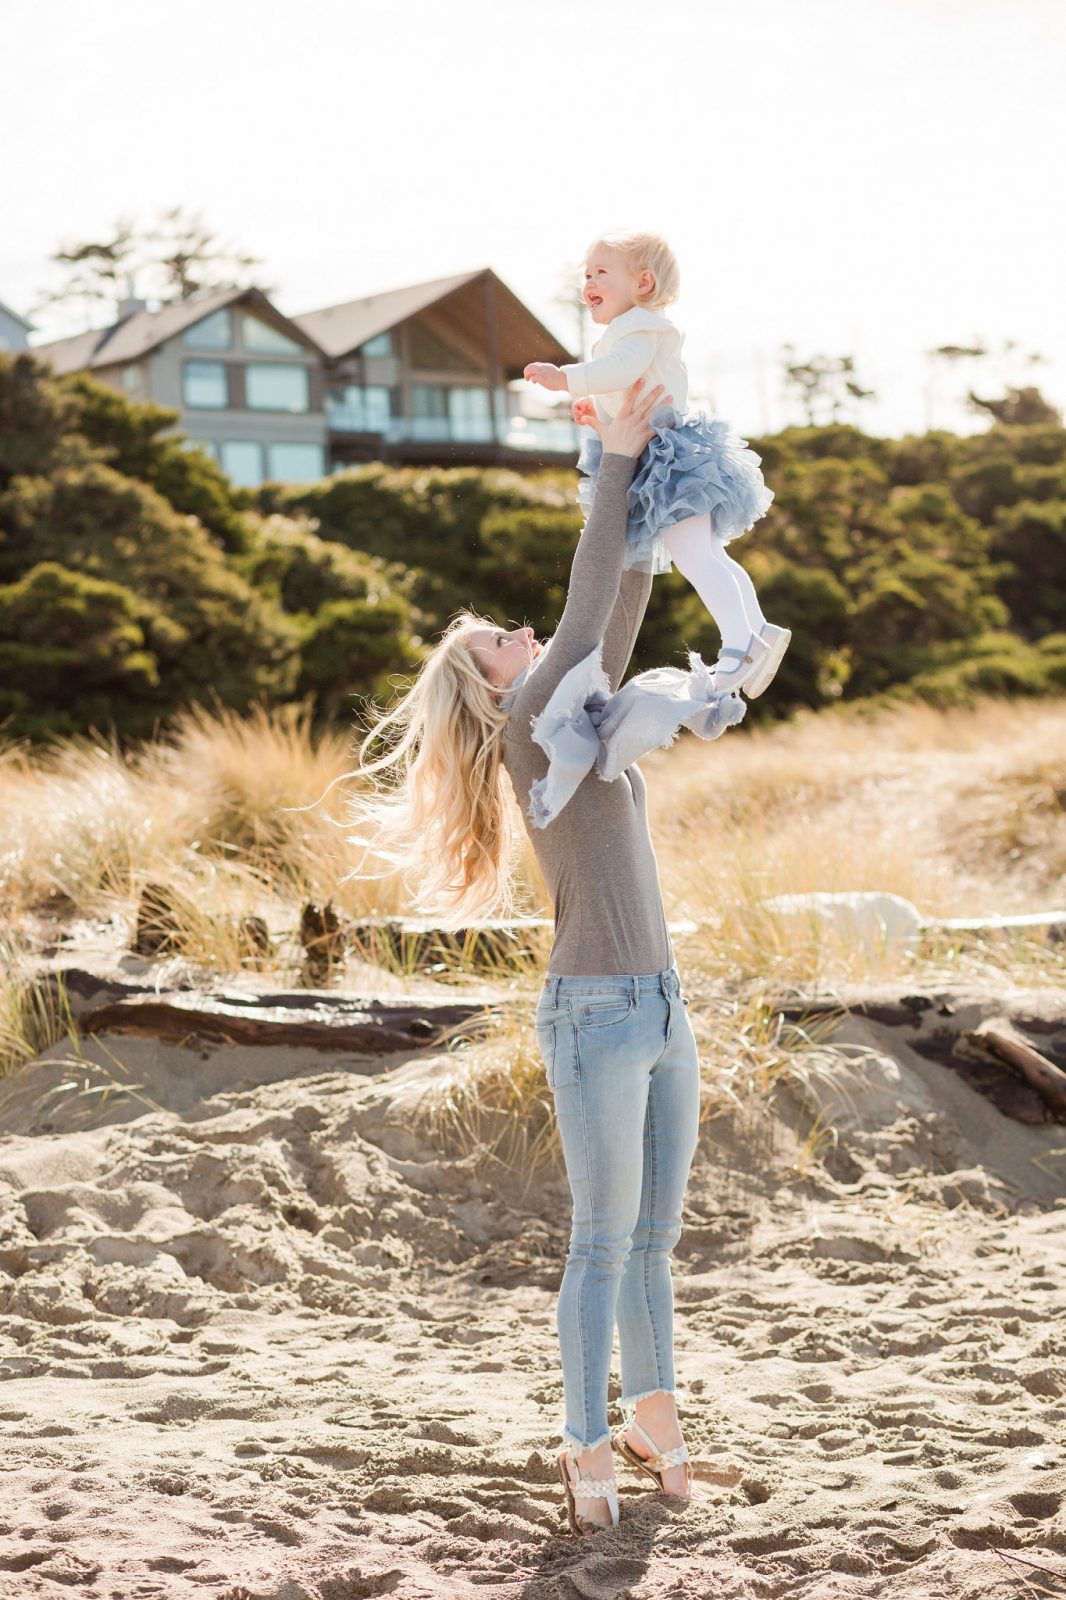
(211, 333)
(272, 386)
(432, 354)
(208, 446)
(469, 414)
(359, 409)
(265, 340)
(242, 461)
(296, 463)
(429, 400)
(380, 345)
(204, 385)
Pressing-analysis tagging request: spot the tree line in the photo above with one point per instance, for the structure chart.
(135, 579)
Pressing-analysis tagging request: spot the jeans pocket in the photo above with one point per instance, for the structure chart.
(601, 1011)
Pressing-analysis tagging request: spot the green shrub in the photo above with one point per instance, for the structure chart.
(1030, 539)
(74, 652)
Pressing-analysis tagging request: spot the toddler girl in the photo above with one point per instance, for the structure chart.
(697, 485)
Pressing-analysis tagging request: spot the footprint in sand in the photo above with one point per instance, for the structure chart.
(1035, 1506)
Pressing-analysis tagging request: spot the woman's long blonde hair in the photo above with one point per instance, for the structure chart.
(435, 808)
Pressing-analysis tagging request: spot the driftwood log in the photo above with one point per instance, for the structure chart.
(997, 1039)
(417, 944)
(993, 1059)
(322, 1019)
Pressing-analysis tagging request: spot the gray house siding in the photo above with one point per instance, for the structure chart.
(253, 442)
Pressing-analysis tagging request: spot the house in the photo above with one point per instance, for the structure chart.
(14, 330)
(421, 374)
(248, 382)
(414, 375)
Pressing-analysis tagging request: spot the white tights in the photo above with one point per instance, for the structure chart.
(721, 583)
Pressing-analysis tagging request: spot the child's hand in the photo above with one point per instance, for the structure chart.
(584, 413)
(545, 374)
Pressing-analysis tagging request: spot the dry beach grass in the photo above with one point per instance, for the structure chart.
(278, 1325)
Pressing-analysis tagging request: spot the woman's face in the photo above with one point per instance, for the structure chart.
(610, 286)
(502, 654)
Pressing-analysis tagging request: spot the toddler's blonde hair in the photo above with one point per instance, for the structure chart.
(651, 252)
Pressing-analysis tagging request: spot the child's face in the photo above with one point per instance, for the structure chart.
(610, 285)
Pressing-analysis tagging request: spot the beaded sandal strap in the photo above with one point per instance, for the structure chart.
(661, 1458)
(594, 1488)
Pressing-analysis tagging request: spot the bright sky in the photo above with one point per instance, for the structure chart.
(863, 177)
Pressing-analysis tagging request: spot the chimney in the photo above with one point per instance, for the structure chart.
(131, 304)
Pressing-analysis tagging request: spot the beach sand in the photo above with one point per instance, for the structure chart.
(261, 1340)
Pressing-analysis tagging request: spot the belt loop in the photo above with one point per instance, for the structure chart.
(553, 990)
(636, 990)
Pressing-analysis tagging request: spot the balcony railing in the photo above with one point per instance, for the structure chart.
(557, 435)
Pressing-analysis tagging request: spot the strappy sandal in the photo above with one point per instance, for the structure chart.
(655, 1464)
(583, 1488)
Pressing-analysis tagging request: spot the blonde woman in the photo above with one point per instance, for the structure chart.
(618, 1050)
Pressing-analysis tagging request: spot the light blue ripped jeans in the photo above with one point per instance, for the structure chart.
(621, 1062)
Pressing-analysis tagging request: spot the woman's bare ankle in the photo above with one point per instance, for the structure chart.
(658, 1413)
(596, 1463)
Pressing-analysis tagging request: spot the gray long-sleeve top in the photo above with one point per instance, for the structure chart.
(596, 857)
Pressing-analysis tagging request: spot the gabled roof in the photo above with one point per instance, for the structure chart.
(521, 337)
(342, 329)
(7, 311)
(143, 331)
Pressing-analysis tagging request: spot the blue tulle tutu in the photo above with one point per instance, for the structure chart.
(691, 467)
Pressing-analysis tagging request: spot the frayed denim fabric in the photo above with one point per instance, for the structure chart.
(622, 1066)
(584, 727)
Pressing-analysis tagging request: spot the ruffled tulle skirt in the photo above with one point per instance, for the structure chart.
(695, 466)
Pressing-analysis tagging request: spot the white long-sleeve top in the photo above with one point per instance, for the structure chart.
(639, 343)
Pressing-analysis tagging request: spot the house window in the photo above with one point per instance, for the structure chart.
(359, 409)
(469, 413)
(380, 345)
(204, 385)
(242, 462)
(429, 399)
(296, 463)
(131, 379)
(211, 333)
(267, 341)
(430, 353)
(208, 446)
(271, 386)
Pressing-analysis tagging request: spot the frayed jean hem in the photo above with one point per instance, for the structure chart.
(628, 1402)
(578, 1444)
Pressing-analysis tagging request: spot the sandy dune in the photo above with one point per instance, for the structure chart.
(260, 1341)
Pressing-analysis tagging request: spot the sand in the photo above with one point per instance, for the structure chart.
(260, 1340)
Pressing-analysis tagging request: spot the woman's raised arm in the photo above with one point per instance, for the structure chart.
(597, 565)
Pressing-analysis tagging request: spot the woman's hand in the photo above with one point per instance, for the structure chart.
(545, 374)
(628, 433)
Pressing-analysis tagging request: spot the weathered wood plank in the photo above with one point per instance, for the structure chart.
(996, 1039)
(369, 1027)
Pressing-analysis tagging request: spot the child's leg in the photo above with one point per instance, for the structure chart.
(721, 583)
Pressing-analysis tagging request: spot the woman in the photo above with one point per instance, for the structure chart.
(618, 1049)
